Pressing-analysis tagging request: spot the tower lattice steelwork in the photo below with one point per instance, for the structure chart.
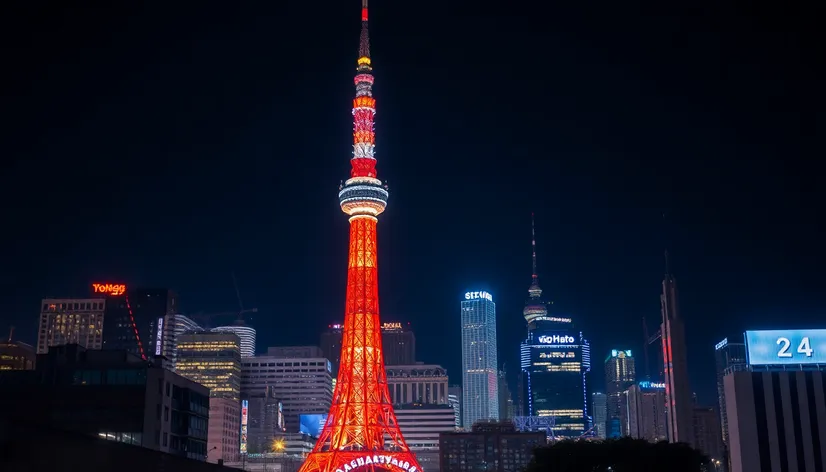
(361, 431)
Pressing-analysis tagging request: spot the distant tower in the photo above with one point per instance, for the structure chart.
(555, 360)
(361, 430)
(600, 412)
(728, 357)
(620, 373)
(679, 406)
(480, 376)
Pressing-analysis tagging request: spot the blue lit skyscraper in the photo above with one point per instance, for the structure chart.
(555, 361)
(480, 383)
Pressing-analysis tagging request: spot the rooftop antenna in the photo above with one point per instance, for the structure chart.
(665, 242)
(534, 275)
(11, 333)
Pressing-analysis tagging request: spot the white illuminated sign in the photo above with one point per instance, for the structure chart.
(159, 338)
(721, 344)
(647, 384)
(364, 461)
(557, 339)
(478, 295)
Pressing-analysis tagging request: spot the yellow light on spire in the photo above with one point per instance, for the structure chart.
(364, 60)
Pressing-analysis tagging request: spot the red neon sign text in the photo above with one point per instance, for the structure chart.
(109, 289)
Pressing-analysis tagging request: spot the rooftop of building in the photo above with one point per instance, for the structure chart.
(415, 370)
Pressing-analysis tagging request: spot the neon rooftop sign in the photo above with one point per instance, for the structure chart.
(478, 295)
(109, 289)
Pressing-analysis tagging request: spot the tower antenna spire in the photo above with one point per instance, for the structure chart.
(534, 275)
(364, 41)
(666, 240)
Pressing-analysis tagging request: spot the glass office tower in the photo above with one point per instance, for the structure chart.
(480, 385)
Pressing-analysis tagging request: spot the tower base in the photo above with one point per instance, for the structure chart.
(360, 462)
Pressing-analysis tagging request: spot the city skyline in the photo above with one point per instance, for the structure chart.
(185, 223)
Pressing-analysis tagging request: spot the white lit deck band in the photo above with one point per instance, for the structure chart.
(363, 199)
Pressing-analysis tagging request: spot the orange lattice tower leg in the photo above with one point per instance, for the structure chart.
(361, 432)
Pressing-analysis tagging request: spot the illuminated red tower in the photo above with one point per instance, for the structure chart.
(361, 431)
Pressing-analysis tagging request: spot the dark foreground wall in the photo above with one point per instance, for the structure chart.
(33, 448)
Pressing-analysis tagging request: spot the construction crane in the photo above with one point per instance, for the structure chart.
(206, 318)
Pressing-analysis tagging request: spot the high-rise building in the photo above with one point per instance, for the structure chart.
(454, 399)
(71, 321)
(397, 340)
(555, 361)
(421, 425)
(480, 383)
(489, 446)
(620, 373)
(361, 427)
(264, 421)
(679, 406)
(246, 333)
(398, 343)
(707, 437)
(214, 361)
(132, 318)
(418, 383)
(600, 412)
(777, 419)
(303, 385)
(166, 338)
(728, 357)
(505, 399)
(16, 355)
(646, 411)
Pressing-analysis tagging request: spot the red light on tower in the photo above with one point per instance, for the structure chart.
(361, 431)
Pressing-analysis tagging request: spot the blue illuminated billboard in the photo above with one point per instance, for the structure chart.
(312, 424)
(786, 346)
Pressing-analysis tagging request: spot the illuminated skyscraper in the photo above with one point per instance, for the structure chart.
(246, 333)
(599, 410)
(555, 362)
(71, 321)
(620, 373)
(646, 411)
(166, 343)
(480, 380)
(728, 357)
(679, 406)
(133, 316)
(15, 355)
(214, 361)
(361, 428)
(397, 340)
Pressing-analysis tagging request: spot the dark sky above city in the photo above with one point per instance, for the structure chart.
(168, 144)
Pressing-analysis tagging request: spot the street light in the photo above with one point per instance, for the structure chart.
(278, 445)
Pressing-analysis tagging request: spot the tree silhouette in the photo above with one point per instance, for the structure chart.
(618, 455)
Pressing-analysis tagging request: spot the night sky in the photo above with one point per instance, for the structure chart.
(169, 144)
